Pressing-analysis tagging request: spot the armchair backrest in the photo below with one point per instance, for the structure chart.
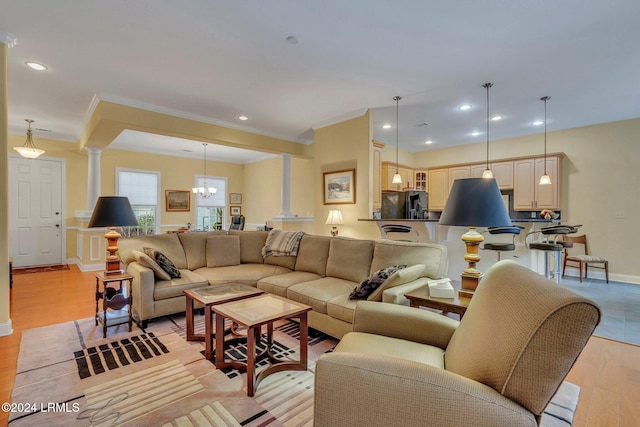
(237, 222)
(521, 335)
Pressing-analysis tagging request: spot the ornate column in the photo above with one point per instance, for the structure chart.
(93, 177)
(285, 209)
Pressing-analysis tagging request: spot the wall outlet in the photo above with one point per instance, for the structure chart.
(619, 214)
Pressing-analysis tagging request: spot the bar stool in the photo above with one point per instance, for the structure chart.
(399, 229)
(500, 247)
(551, 245)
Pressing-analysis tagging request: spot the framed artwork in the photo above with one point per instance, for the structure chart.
(339, 187)
(177, 200)
(235, 198)
(235, 210)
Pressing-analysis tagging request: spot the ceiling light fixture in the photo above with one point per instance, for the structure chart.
(428, 142)
(476, 133)
(29, 150)
(538, 123)
(397, 179)
(386, 126)
(243, 118)
(36, 66)
(205, 191)
(487, 172)
(464, 107)
(545, 179)
(496, 118)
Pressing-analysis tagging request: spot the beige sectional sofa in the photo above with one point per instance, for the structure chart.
(322, 275)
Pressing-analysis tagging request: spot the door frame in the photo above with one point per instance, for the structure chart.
(63, 200)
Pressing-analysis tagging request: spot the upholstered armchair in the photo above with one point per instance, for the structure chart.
(499, 366)
(237, 222)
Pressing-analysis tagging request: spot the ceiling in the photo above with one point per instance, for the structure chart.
(216, 60)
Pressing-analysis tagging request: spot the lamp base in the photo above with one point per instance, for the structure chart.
(112, 265)
(468, 285)
(334, 231)
(471, 276)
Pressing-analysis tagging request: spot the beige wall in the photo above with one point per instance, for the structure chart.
(600, 177)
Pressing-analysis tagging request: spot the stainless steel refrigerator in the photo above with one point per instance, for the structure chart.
(404, 205)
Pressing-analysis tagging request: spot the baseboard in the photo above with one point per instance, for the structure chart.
(85, 267)
(6, 328)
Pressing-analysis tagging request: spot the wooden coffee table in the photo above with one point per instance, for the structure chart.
(252, 313)
(210, 296)
(420, 298)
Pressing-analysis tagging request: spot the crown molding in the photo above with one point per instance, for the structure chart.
(341, 118)
(7, 38)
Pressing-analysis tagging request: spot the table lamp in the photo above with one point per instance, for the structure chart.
(334, 218)
(112, 212)
(474, 202)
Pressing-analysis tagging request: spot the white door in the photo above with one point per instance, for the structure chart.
(35, 211)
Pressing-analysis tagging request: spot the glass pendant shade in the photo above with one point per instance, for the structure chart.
(29, 149)
(487, 173)
(545, 180)
(397, 179)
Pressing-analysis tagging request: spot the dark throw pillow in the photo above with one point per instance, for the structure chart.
(164, 262)
(371, 283)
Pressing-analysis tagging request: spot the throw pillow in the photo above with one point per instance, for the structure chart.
(223, 251)
(398, 278)
(148, 262)
(371, 283)
(164, 262)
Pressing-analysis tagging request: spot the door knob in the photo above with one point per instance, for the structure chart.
(57, 225)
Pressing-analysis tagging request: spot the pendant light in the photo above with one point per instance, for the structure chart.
(397, 179)
(29, 149)
(545, 179)
(487, 172)
(204, 192)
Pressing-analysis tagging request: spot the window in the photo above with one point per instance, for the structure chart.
(142, 189)
(210, 212)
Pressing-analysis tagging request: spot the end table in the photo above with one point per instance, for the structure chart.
(420, 298)
(113, 300)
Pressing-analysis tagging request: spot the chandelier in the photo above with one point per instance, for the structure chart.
(29, 149)
(204, 192)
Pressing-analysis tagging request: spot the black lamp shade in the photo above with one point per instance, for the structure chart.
(112, 211)
(475, 202)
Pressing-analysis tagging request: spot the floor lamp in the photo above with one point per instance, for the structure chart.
(474, 202)
(112, 212)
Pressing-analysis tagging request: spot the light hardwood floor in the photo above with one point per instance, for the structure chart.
(607, 371)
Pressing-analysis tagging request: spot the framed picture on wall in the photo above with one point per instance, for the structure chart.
(177, 200)
(235, 198)
(235, 210)
(339, 187)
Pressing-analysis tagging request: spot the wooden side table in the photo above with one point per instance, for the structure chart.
(420, 298)
(113, 300)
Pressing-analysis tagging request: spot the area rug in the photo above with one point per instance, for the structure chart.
(69, 375)
(42, 269)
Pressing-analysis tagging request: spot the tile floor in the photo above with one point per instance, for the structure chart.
(620, 305)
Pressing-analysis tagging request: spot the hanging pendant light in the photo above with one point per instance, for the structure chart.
(29, 149)
(204, 192)
(545, 179)
(487, 172)
(397, 179)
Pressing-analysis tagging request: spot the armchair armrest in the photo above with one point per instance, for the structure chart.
(367, 390)
(408, 323)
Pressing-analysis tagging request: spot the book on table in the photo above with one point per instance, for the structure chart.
(441, 288)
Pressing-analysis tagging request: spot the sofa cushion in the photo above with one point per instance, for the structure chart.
(278, 284)
(433, 256)
(350, 259)
(223, 251)
(342, 307)
(248, 274)
(164, 289)
(317, 293)
(163, 261)
(195, 244)
(371, 283)
(313, 254)
(251, 244)
(400, 277)
(146, 261)
(168, 244)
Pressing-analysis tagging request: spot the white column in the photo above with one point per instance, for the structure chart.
(285, 210)
(93, 177)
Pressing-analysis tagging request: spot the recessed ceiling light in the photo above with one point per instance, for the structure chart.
(476, 133)
(496, 118)
(36, 66)
(243, 118)
(538, 123)
(386, 126)
(428, 141)
(464, 107)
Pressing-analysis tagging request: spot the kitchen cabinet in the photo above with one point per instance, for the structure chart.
(527, 193)
(502, 172)
(377, 174)
(438, 184)
(458, 172)
(420, 180)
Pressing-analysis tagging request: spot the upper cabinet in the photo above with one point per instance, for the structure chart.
(527, 193)
(420, 179)
(406, 173)
(502, 172)
(438, 188)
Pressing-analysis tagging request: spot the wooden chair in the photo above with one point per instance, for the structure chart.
(387, 229)
(583, 259)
